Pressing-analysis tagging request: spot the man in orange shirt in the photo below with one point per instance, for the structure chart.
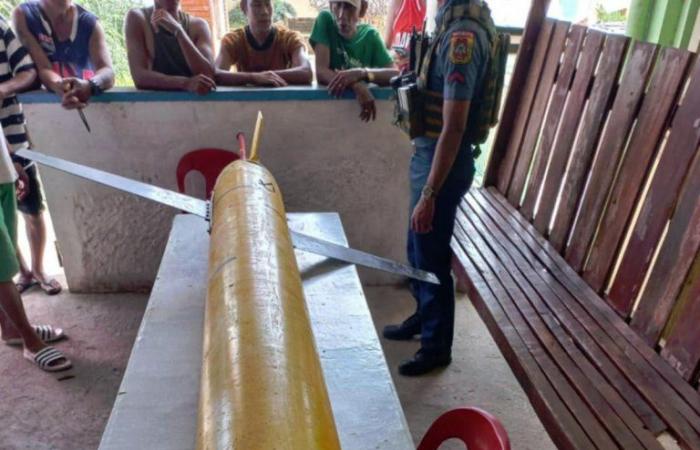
(263, 54)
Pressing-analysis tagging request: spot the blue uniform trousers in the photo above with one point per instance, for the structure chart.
(432, 252)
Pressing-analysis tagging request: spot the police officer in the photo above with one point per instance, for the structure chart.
(442, 169)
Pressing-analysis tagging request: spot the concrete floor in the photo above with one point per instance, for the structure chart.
(478, 375)
(37, 411)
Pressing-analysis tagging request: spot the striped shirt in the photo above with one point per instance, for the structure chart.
(14, 58)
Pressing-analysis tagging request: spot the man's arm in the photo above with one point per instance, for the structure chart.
(101, 59)
(23, 68)
(324, 73)
(300, 72)
(455, 114)
(48, 77)
(139, 62)
(198, 50)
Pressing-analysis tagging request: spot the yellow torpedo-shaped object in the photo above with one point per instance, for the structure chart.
(262, 385)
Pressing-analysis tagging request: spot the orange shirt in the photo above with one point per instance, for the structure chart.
(274, 54)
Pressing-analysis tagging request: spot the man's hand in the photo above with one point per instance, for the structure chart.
(22, 183)
(200, 84)
(423, 214)
(267, 79)
(162, 18)
(344, 79)
(368, 109)
(76, 93)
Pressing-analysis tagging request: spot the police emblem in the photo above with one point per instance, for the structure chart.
(461, 47)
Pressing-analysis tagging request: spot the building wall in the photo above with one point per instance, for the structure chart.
(323, 157)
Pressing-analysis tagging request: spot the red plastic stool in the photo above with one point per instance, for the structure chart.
(478, 430)
(207, 161)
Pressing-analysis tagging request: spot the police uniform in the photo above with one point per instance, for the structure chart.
(456, 72)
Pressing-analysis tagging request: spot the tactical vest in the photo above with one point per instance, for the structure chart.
(424, 115)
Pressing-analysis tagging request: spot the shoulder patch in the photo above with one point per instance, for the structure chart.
(461, 47)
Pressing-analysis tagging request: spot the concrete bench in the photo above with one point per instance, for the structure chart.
(581, 251)
(156, 407)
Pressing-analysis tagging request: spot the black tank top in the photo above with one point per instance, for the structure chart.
(168, 58)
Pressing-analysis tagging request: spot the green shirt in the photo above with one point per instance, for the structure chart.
(365, 49)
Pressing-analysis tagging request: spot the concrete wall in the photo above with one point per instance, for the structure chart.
(323, 156)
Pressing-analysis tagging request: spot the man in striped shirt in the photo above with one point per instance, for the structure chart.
(18, 74)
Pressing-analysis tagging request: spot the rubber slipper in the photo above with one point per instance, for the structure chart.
(52, 287)
(47, 359)
(23, 286)
(46, 333)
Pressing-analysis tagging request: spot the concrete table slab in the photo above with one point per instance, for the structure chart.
(156, 407)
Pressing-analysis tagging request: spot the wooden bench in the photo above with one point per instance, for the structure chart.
(581, 251)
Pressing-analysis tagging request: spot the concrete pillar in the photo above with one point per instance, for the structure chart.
(664, 22)
(686, 24)
(638, 19)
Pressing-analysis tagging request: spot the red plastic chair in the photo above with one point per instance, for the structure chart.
(207, 161)
(478, 430)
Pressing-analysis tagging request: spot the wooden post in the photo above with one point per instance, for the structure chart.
(535, 19)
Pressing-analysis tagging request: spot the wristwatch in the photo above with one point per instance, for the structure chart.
(369, 76)
(428, 192)
(95, 88)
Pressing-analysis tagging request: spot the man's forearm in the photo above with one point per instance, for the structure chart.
(198, 63)
(296, 75)
(228, 78)
(448, 147)
(383, 77)
(19, 83)
(324, 75)
(51, 80)
(104, 78)
(149, 79)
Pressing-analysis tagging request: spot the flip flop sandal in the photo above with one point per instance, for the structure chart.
(23, 286)
(46, 333)
(46, 356)
(52, 287)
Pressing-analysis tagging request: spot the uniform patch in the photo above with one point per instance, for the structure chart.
(456, 77)
(461, 47)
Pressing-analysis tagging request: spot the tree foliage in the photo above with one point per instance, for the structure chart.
(283, 11)
(111, 14)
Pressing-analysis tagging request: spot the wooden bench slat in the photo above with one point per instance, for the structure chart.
(662, 96)
(612, 143)
(555, 416)
(592, 124)
(578, 393)
(604, 360)
(674, 261)
(647, 362)
(623, 336)
(533, 27)
(523, 114)
(532, 132)
(673, 164)
(553, 118)
(567, 131)
(624, 424)
(682, 348)
(680, 417)
(579, 410)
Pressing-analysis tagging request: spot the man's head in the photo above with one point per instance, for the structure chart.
(348, 14)
(258, 12)
(168, 5)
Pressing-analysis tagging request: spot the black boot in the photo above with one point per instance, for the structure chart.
(404, 332)
(423, 362)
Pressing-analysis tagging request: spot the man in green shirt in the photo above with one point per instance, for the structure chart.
(349, 54)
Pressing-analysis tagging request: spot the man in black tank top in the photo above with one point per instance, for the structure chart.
(168, 49)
